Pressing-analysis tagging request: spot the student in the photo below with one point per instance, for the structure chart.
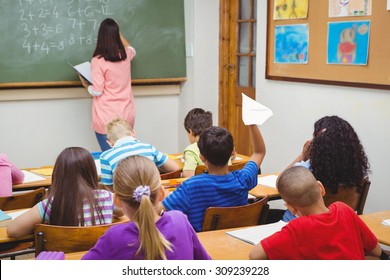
(335, 155)
(9, 175)
(195, 122)
(149, 235)
(111, 80)
(73, 198)
(121, 138)
(218, 187)
(332, 233)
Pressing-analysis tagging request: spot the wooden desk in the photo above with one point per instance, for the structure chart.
(5, 239)
(177, 157)
(222, 246)
(373, 221)
(261, 191)
(33, 185)
(217, 243)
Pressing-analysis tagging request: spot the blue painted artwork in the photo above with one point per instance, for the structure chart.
(291, 44)
(348, 42)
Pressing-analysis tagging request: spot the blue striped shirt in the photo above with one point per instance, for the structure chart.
(123, 148)
(200, 192)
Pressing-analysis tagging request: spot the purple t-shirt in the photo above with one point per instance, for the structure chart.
(120, 242)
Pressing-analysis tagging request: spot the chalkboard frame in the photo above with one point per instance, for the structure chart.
(74, 82)
(303, 74)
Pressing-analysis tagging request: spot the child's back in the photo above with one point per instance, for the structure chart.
(318, 232)
(149, 236)
(219, 187)
(195, 122)
(74, 198)
(121, 138)
(9, 175)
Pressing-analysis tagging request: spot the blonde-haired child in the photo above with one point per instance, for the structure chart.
(121, 137)
(148, 235)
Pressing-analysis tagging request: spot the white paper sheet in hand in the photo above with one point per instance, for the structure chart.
(254, 112)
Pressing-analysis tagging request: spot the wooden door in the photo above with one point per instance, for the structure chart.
(237, 67)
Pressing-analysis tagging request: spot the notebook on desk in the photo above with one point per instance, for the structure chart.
(253, 235)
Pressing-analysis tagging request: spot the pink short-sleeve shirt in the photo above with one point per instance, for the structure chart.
(113, 80)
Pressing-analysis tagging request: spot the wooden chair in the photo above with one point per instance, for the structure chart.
(239, 216)
(24, 200)
(68, 239)
(171, 175)
(203, 169)
(351, 196)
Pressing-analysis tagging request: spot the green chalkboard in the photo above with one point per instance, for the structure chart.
(38, 37)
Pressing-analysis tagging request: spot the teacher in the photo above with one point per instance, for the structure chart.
(111, 80)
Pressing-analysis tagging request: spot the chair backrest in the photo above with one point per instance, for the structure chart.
(203, 169)
(351, 196)
(171, 175)
(67, 239)
(23, 200)
(239, 216)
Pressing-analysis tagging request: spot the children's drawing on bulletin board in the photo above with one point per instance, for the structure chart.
(347, 8)
(291, 43)
(348, 42)
(290, 9)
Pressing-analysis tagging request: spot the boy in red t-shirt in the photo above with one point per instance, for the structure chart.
(333, 233)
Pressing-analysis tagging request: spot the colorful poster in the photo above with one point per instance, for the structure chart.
(290, 9)
(349, 8)
(348, 42)
(291, 44)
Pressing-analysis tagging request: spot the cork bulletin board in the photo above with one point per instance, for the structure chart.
(317, 68)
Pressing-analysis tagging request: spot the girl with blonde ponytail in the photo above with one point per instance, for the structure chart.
(148, 235)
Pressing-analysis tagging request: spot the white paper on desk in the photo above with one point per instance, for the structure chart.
(31, 177)
(269, 180)
(98, 167)
(386, 222)
(253, 112)
(16, 214)
(253, 235)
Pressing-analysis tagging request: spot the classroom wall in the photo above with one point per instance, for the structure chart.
(297, 106)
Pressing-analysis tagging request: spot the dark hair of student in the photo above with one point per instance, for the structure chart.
(109, 44)
(74, 180)
(198, 120)
(216, 145)
(337, 157)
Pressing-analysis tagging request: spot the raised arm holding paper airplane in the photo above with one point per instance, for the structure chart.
(254, 114)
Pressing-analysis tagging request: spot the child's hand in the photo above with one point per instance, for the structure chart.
(306, 150)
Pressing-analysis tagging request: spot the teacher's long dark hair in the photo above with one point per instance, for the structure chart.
(109, 44)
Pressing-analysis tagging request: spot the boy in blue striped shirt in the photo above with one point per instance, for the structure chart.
(120, 137)
(218, 188)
